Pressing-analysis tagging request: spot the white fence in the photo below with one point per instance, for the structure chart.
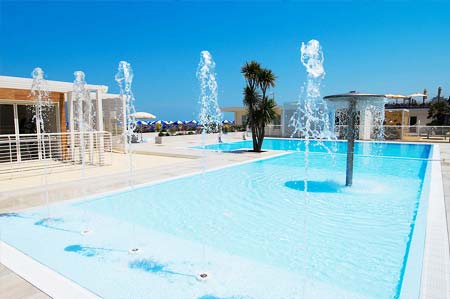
(24, 152)
(407, 133)
(273, 130)
(411, 133)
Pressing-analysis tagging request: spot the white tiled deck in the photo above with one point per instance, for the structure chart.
(436, 264)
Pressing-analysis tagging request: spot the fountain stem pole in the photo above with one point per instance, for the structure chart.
(350, 141)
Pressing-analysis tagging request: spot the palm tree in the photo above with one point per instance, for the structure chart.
(261, 108)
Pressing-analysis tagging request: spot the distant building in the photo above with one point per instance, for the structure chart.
(240, 119)
(417, 113)
(408, 113)
(18, 123)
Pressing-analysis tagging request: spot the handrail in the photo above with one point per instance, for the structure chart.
(54, 150)
(55, 134)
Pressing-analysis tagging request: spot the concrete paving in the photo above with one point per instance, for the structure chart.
(14, 287)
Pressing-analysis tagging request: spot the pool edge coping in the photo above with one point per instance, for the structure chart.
(435, 276)
(41, 276)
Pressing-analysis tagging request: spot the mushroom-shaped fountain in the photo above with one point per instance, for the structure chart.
(361, 111)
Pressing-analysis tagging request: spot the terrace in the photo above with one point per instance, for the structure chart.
(337, 196)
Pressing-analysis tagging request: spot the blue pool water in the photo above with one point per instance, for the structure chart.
(251, 227)
(361, 148)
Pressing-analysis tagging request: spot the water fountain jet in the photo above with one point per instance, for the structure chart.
(82, 121)
(210, 115)
(124, 79)
(40, 94)
(311, 119)
(354, 105)
(202, 276)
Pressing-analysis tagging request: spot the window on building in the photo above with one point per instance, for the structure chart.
(413, 120)
(20, 121)
(7, 119)
(26, 119)
(8, 150)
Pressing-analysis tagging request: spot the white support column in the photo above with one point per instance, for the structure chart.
(17, 135)
(99, 95)
(100, 128)
(39, 132)
(71, 125)
(403, 124)
(91, 128)
(365, 124)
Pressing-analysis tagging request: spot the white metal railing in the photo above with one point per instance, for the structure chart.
(387, 132)
(32, 151)
(273, 130)
(397, 132)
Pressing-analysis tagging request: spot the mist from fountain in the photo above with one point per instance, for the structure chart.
(82, 119)
(370, 116)
(373, 108)
(81, 113)
(210, 115)
(210, 119)
(312, 119)
(124, 78)
(40, 95)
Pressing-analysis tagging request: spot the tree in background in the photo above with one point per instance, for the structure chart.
(439, 113)
(260, 107)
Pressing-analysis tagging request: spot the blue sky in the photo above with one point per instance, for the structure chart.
(371, 46)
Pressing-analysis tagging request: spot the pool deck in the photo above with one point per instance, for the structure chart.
(153, 162)
(445, 164)
(436, 259)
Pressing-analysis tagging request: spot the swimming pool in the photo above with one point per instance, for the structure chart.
(250, 226)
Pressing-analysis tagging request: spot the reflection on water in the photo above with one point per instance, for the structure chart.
(155, 267)
(315, 186)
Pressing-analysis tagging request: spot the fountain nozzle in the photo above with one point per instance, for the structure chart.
(203, 276)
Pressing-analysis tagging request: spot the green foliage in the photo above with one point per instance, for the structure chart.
(261, 108)
(439, 112)
(172, 131)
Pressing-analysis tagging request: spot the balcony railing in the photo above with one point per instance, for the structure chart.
(26, 152)
(396, 132)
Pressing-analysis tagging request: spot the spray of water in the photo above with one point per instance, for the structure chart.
(374, 111)
(312, 119)
(40, 94)
(82, 101)
(124, 79)
(370, 116)
(84, 110)
(210, 115)
(83, 116)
